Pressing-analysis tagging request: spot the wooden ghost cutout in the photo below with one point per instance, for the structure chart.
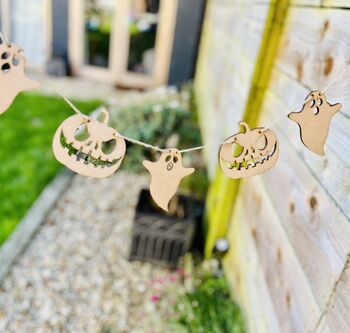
(12, 77)
(313, 121)
(88, 146)
(249, 153)
(166, 174)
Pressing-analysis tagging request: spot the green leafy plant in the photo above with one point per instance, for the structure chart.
(27, 161)
(209, 308)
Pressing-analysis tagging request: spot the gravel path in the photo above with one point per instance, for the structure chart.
(75, 276)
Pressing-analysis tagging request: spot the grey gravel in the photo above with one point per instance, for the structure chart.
(75, 276)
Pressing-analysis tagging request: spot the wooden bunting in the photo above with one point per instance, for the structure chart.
(166, 174)
(12, 77)
(248, 153)
(313, 121)
(88, 146)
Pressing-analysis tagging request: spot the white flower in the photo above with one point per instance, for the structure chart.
(157, 108)
(174, 104)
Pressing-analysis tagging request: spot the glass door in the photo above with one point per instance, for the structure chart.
(98, 25)
(143, 20)
(125, 42)
(91, 35)
(149, 31)
(28, 24)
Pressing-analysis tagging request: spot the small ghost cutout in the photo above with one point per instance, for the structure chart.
(314, 120)
(88, 146)
(12, 77)
(166, 174)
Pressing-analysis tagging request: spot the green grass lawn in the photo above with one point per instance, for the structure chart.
(27, 161)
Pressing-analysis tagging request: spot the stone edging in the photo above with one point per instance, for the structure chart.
(26, 229)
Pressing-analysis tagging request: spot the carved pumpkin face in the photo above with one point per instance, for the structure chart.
(12, 78)
(248, 153)
(88, 146)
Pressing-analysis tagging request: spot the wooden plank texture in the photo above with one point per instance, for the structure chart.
(246, 276)
(290, 229)
(291, 293)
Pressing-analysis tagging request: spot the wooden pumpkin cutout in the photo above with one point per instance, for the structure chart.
(248, 153)
(313, 121)
(88, 146)
(166, 174)
(12, 77)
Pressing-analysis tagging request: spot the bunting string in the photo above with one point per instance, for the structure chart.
(134, 141)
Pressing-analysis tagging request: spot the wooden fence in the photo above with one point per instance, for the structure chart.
(289, 230)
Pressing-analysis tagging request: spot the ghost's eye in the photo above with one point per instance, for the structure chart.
(5, 55)
(175, 159)
(261, 143)
(5, 68)
(312, 103)
(168, 158)
(82, 133)
(16, 60)
(319, 102)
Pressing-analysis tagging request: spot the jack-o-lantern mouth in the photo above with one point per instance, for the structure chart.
(84, 158)
(249, 162)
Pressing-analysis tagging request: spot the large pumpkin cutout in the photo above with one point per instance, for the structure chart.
(248, 153)
(314, 120)
(12, 77)
(88, 146)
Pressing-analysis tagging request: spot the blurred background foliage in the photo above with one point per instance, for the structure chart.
(27, 161)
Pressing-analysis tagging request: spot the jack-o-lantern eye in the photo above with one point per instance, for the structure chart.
(237, 150)
(82, 133)
(109, 146)
(261, 143)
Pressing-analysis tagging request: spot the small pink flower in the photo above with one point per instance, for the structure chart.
(172, 278)
(154, 298)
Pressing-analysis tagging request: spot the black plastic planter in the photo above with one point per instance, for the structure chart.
(161, 237)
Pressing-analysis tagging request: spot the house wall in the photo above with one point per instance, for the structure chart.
(288, 229)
